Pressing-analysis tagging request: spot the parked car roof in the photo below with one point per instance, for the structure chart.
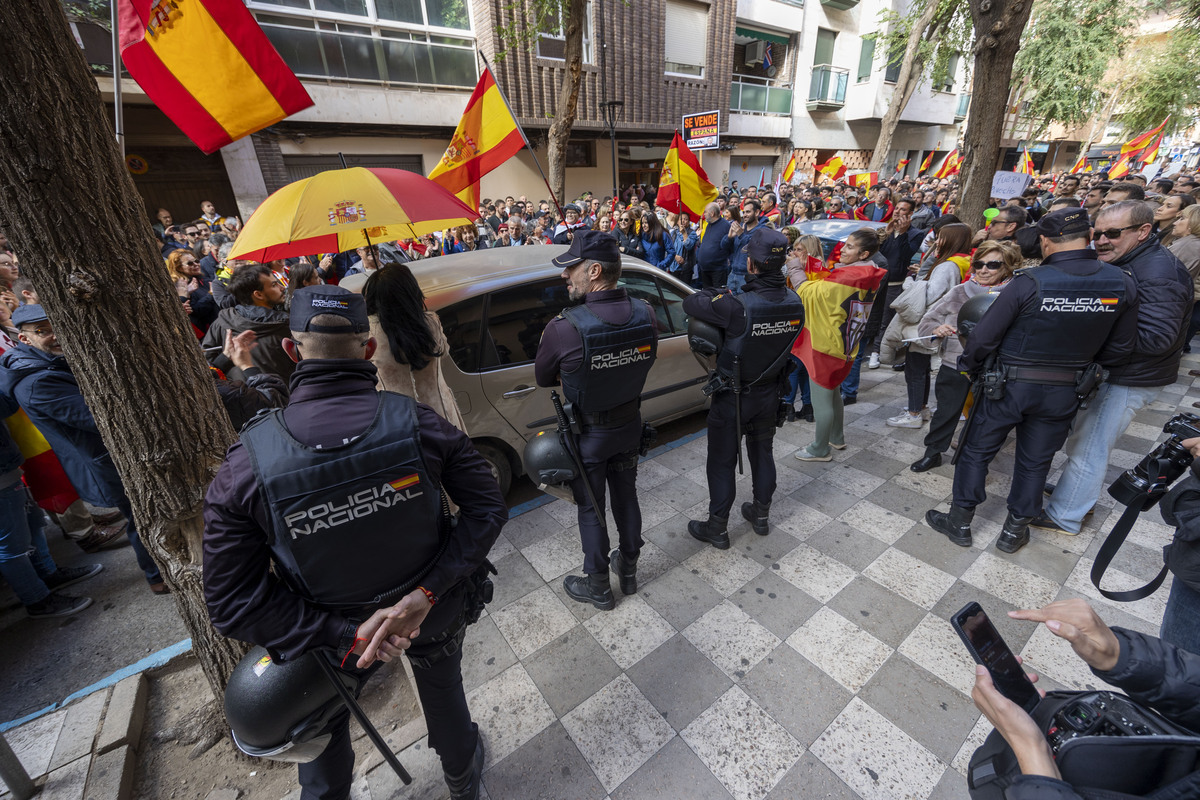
(834, 228)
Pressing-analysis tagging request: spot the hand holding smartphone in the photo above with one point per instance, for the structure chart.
(986, 646)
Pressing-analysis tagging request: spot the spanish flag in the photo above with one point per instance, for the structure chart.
(789, 169)
(49, 484)
(950, 165)
(903, 163)
(208, 66)
(1143, 140)
(925, 164)
(1121, 168)
(833, 168)
(1150, 154)
(486, 137)
(1025, 166)
(1080, 164)
(864, 180)
(683, 187)
(836, 312)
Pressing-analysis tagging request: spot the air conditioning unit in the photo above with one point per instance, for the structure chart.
(754, 53)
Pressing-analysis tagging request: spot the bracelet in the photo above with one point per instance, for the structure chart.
(430, 596)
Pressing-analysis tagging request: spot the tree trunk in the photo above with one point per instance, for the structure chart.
(906, 83)
(998, 28)
(568, 96)
(80, 228)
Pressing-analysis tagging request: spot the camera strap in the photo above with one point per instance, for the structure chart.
(1108, 551)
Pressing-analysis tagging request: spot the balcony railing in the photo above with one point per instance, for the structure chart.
(964, 102)
(840, 5)
(749, 95)
(828, 87)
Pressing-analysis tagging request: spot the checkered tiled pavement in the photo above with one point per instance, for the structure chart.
(815, 662)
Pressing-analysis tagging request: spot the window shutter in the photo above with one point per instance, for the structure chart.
(686, 34)
(866, 57)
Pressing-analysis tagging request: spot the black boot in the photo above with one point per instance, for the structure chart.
(626, 571)
(756, 514)
(806, 412)
(1015, 533)
(926, 463)
(713, 530)
(594, 589)
(466, 785)
(956, 526)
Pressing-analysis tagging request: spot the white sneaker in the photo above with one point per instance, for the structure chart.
(906, 420)
(873, 361)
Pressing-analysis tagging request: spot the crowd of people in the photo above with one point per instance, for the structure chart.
(891, 292)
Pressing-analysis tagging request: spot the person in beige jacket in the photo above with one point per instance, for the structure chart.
(410, 342)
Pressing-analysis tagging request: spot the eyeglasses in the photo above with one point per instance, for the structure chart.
(191, 233)
(989, 265)
(40, 331)
(1112, 233)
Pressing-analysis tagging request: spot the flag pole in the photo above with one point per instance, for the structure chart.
(118, 110)
(524, 138)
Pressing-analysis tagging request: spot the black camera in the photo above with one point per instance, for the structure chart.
(1146, 483)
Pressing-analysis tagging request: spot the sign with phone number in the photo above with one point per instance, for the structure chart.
(702, 131)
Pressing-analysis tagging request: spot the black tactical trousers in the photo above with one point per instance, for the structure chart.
(1042, 417)
(759, 409)
(610, 459)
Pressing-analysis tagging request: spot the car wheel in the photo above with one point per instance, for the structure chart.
(499, 464)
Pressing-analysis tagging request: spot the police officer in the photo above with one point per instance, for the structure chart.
(1047, 330)
(327, 528)
(760, 325)
(601, 351)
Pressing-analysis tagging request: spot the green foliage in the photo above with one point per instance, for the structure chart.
(949, 33)
(97, 12)
(530, 18)
(1166, 80)
(1065, 52)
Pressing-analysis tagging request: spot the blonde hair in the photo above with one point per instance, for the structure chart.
(1192, 215)
(1007, 250)
(811, 245)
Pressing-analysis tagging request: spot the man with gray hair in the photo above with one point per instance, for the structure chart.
(512, 233)
(714, 248)
(1123, 236)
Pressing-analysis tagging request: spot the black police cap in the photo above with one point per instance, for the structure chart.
(313, 301)
(589, 245)
(768, 247)
(1064, 222)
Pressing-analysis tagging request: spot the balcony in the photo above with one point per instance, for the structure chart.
(749, 95)
(964, 102)
(840, 5)
(828, 89)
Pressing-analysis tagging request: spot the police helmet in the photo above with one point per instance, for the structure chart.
(704, 339)
(282, 711)
(971, 312)
(547, 459)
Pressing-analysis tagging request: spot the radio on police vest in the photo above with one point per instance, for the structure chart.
(354, 525)
(616, 358)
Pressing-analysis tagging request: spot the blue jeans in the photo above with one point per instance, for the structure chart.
(850, 384)
(1092, 438)
(24, 556)
(1181, 620)
(798, 381)
(149, 568)
(736, 281)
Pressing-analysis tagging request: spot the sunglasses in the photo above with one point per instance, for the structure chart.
(989, 264)
(1112, 233)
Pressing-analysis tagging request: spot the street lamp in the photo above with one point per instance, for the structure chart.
(612, 109)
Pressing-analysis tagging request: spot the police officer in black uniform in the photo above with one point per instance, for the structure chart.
(601, 351)
(1040, 340)
(761, 325)
(327, 528)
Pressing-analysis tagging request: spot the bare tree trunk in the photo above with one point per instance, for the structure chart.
(80, 228)
(906, 83)
(998, 28)
(568, 96)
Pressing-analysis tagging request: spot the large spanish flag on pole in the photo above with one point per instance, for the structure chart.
(1142, 140)
(683, 186)
(208, 66)
(486, 137)
(833, 169)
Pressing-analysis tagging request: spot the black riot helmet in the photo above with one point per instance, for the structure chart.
(281, 711)
(547, 459)
(971, 312)
(704, 339)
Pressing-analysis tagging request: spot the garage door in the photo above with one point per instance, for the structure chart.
(747, 169)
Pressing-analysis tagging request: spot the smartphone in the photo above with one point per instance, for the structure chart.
(986, 646)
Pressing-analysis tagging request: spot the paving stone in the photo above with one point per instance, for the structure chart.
(846, 544)
(223, 794)
(679, 681)
(815, 573)
(34, 742)
(774, 603)
(79, 729)
(548, 766)
(909, 577)
(514, 579)
(730, 639)
(881, 613)
(485, 653)
(630, 631)
(571, 669)
(533, 621)
(111, 773)
(796, 693)
(936, 647)
(666, 773)
(724, 570)
(885, 525)
(811, 780)
(68, 781)
(843, 650)
(1011, 583)
(510, 711)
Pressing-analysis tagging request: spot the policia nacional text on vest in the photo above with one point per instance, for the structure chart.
(605, 387)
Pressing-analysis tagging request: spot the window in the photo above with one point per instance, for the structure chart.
(641, 286)
(686, 32)
(463, 325)
(946, 82)
(866, 57)
(516, 319)
(434, 13)
(892, 73)
(554, 44)
(673, 301)
(824, 48)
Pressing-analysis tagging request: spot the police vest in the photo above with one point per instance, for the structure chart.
(1070, 319)
(616, 358)
(761, 350)
(354, 525)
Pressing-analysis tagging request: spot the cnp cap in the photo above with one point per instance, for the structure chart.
(768, 247)
(28, 313)
(1064, 222)
(312, 301)
(589, 246)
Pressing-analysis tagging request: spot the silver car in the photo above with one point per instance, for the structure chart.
(494, 305)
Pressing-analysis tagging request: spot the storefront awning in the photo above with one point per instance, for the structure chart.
(773, 38)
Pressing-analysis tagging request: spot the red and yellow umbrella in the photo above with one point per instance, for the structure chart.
(342, 209)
